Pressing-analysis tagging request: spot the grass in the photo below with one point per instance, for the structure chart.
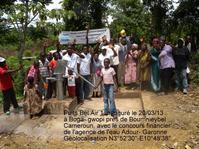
(19, 98)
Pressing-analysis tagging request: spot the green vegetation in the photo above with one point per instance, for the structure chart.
(195, 68)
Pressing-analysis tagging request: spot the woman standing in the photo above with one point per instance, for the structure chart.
(144, 60)
(131, 64)
(33, 99)
(155, 66)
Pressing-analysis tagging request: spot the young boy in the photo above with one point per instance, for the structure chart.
(108, 77)
(71, 84)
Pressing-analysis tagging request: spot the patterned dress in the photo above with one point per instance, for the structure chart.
(144, 60)
(33, 100)
(96, 75)
(131, 67)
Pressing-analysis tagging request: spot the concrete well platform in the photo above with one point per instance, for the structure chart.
(55, 106)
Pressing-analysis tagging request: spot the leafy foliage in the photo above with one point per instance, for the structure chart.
(131, 16)
(83, 12)
(186, 18)
(159, 10)
(195, 68)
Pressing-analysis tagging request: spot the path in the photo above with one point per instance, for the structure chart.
(48, 129)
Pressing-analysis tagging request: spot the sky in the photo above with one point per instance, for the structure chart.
(55, 5)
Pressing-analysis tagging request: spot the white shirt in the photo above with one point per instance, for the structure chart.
(189, 46)
(85, 64)
(102, 57)
(72, 61)
(71, 80)
(109, 55)
(115, 58)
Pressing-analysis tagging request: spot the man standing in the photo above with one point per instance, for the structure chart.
(44, 72)
(110, 54)
(73, 63)
(167, 65)
(122, 54)
(85, 71)
(58, 50)
(6, 86)
(181, 57)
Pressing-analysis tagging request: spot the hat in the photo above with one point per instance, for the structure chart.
(123, 33)
(2, 59)
(135, 45)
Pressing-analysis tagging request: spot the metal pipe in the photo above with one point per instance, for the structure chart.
(81, 76)
(60, 94)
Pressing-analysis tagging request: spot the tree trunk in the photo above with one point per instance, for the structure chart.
(22, 42)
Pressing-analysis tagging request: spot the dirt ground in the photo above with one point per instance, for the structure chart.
(181, 111)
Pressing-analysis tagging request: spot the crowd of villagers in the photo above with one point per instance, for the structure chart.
(127, 62)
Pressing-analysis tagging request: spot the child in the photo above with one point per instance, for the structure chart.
(108, 77)
(71, 84)
(96, 69)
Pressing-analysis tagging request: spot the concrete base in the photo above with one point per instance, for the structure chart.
(55, 106)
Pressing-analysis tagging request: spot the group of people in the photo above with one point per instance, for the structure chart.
(114, 64)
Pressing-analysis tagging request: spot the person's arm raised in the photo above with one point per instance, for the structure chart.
(80, 55)
(15, 70)
(114, 52)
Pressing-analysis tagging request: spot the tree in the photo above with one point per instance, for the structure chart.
(129, 15)
(5, 5)
(186, 18)
(58, 15)
(98, 10)
(158, 9)
(83, 11)
(21, 15)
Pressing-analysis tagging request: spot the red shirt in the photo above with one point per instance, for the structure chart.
(53, 64)
(5, 79)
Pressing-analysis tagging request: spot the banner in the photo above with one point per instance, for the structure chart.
(66, 37)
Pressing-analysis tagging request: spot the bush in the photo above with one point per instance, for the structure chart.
(18, 78)
(195, 68)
